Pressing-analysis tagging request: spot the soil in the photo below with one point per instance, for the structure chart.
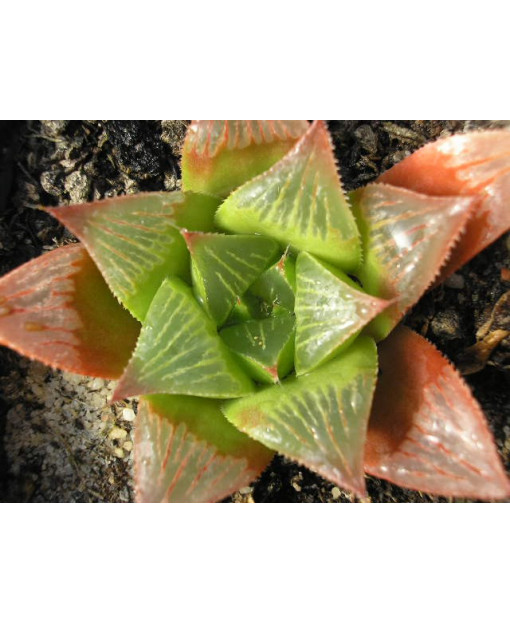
(61, 442)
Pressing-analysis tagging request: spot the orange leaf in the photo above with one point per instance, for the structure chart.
(407, 237)
(58, 309)
(426, 431)
(475, 164)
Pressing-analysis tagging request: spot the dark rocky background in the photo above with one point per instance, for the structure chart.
(60, 442)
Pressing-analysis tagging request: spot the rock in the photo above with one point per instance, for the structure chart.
(128, 414)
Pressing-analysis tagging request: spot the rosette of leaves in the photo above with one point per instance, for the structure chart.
(256, 312)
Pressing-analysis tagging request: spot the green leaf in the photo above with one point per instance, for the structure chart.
(135, 240)
(299, 201)
(276, 285)
(187, 452)
(331, 310)
(247, 308)
(219, 156)
(223, 267)
(266, 347)
(407, 237)
(319, 419)
(179, 352)
(57, 309)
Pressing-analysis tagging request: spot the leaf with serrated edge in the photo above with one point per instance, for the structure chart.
(330, 310)
(219, 156)
(186, 451)
(426, 431)
(300, 202)
(223, 267)
(135, 239)
(266, 347)
(57, 309)
(407, 238)
(319, 419)
(473, 164)
(179, 352)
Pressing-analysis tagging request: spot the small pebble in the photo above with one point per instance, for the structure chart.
(447, 324)
(128, 446)
(96, 384)
(118, 452)
(77, 184)
(117, 434)
(455, 281)
(128, 414)
(335, 492)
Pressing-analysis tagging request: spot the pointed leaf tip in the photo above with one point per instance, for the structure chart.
(57, 309)
(407, 237)
(135, 239)
(187, 452)
(330, 310)
(475, 164)
(426, 431)
(180, 352)
(299, 201)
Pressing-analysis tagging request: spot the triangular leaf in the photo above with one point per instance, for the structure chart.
(299, 201)
(179, 352)
(266, 347)
(187, 452)
(223, 267)
(57, 309)
(330, 312)
(219, 156)
(135, 240)
(319, 419)
(474, 164)
(276, 286)
(407, 238)
(426, 431)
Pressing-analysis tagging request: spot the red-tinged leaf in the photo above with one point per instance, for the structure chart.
(299, 201)
(58, 309)
(219, 156)
(407, 238)
(135, 239)
(187, 452)
(426, 431)
(473, 164)
(318, 419)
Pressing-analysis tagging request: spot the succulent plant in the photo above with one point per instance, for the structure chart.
(258, 310)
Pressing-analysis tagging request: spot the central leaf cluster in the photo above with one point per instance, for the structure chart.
(256, 312)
